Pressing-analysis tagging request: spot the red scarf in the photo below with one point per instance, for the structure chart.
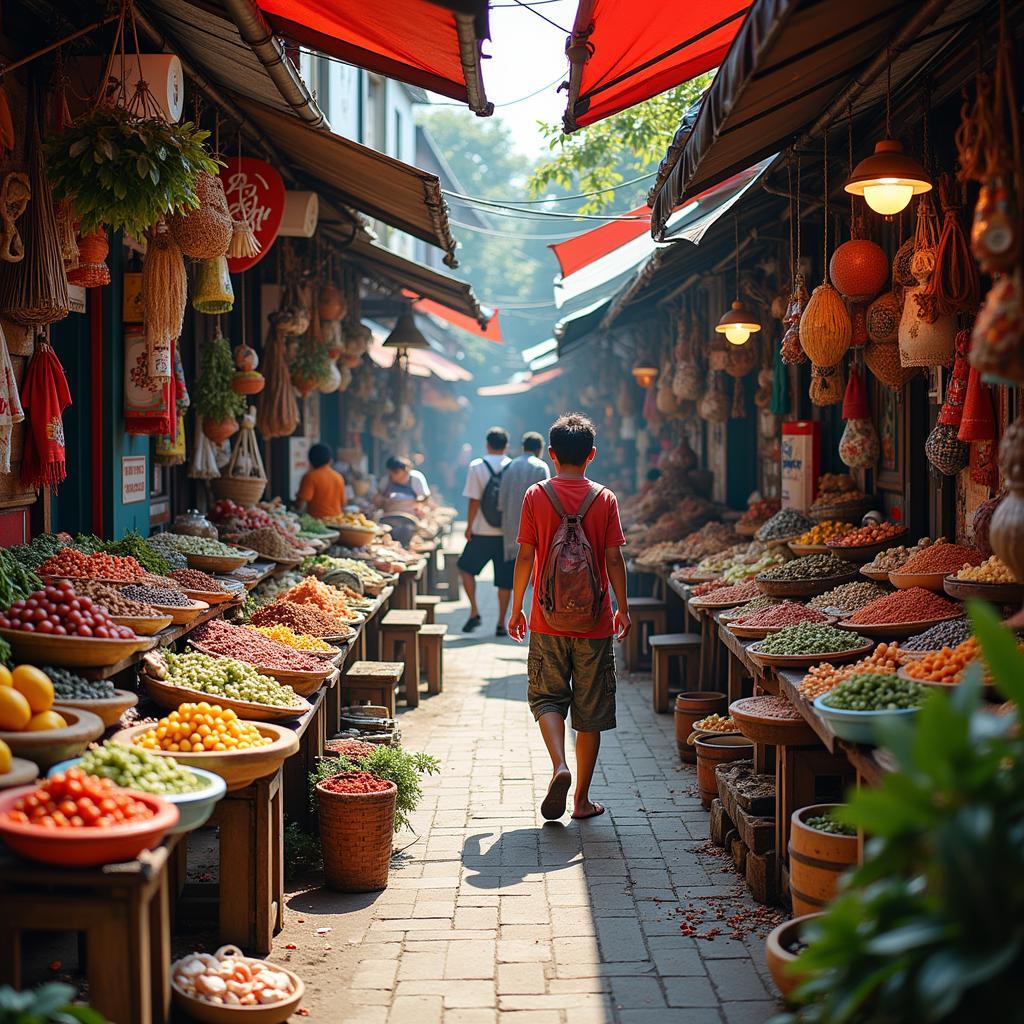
(45, 396)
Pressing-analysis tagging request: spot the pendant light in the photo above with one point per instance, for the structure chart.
(739, 323)
(645, 375)
(405, 334)
(889, 178)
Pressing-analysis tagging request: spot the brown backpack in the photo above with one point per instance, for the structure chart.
(569, 589)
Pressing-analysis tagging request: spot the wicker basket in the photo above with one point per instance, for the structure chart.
(356, 834)
(204, 233)
(246, 490)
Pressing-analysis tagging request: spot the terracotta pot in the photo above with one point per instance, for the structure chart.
(356, 835)
(219, 431)
(713, 751)
(248, 382)
(778, 956)
(691, 708)
(816, 860)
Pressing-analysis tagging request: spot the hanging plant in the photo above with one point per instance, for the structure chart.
(216, 399)
(310, 366)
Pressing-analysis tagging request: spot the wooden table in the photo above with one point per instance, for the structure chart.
(311, 729)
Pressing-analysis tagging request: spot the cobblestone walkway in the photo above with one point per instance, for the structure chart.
(493, 915)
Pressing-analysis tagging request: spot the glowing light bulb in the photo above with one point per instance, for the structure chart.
(888, 196)
(737, 334)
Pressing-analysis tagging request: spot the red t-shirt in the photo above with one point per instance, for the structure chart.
(601, 524)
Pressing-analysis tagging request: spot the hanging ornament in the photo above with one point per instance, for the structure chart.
(859, 269)
(826, 384)
(858, 447)
(91, 270)
(164, 296)
(213, 293)
(792, 350)
(997, 348)
(44, 396)
(943, 447)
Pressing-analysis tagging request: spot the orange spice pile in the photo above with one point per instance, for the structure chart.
(822, 678)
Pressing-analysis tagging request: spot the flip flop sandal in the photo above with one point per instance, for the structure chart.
(553, 806)
(474, 622)
(593, 814)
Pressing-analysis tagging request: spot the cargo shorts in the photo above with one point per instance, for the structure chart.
(572, 673)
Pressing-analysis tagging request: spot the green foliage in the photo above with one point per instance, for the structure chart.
(215, 399)
(17, 580)
(127, 171)
(134, 544)
(397, 765)
(5, 653)
(930, 928)
(48, 1004)
(310, 361)
(301, 851)
(604, 154)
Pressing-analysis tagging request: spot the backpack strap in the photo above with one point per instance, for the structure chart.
(595, 490)
(548, 488)
(490, 468)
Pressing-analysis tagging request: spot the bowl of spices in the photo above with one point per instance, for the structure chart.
(201, 586)
(759, 624)
(144, 619)
(805, 577)
(726, 597)
(991, 580)
(902, 613)
(807, 643)
(770, 719)
(886, 658)
(815, 540)
(175, 603)
(948, 633)
(944, 667)
(758, 604)
(855, 708)
(890, 559)
(786, 525)
(929, 567)
(847, 597)
(863, 543)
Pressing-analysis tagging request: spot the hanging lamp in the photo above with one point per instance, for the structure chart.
(739, 323)
(405, 334)
(889, 178)
(645, 375)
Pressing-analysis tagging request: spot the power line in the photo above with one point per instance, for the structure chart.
(507, 103)
(543, 214)
(543, 17)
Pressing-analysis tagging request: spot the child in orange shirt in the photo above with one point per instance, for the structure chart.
(322, 491)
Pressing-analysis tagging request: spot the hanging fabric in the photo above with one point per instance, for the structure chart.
(148, 401)
(45, 396)
(11, 411)
(780, 385)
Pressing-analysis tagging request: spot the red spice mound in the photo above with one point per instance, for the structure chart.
(706, 588)
(193, 579)
(913, 605)
(941, 558)
(302, 618)
(352, 749)
(254, 648)
(789, 613)
(355, 782)
(70, 562)
(736, 592)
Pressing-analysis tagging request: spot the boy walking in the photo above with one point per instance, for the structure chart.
(570, 541)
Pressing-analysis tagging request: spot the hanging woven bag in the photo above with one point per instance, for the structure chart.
(923, 342)
(902, 272)
(825, 328)
(92, 270)
(883, 360)
(826, 384)
(882, 320)
(943, 447)
(792, 350)
(204, 233)
(213, 293)
(858, 447)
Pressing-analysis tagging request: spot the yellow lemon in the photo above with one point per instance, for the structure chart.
(5, 676)
(35, 685)
(5, 758)
(45, 721)
(14, 709)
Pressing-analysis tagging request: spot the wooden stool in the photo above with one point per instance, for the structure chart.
(428, 603)
(664, 648)
(648, 615)
(400, 628)
(451, 575)
(372, 682)
(432, 655)
(122, 909)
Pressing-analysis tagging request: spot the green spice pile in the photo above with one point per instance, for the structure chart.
(132, 768)
(876, 692)
(752, 607)
(848, 597)
(227, 677)
(16, 580)
(809, 638)
(827, 823)
(786, 522)
(191, 545)
(68, 686)
(310, 524)
(810, 567)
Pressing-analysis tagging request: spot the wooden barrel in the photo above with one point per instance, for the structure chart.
(816, 860)
(690, 708)
(713, 751)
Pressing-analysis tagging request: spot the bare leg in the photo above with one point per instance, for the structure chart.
(587, 746)
(469, 584)
(504, 596)
(552, 728)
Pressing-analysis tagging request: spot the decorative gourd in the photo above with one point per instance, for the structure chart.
(883, 319)
(1007, 532)
(825, 328)
(245, 358)
(981, 525)
(332, 303)
(998, 336)
(859, 269)
(248, 382)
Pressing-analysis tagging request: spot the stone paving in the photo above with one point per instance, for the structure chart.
(494, 915)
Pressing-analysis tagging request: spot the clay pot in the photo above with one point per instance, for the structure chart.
(218, 431)
(713, 751)
(777, 953)
(331, 303)
(691, 708)
(248, 382)
(816, 860)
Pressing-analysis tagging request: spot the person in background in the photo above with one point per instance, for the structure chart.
(519, 476)
(402, 483)
(485, 540)
(322, 490)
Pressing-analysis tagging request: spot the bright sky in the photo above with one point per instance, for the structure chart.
(527, 54)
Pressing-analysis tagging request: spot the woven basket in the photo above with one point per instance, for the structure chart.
(902, 272)
(883, 319)
(92, 270)
(204, 234)
(884, 362)
(356, 835)
(246, 490)
(825, 328)
(827, 384)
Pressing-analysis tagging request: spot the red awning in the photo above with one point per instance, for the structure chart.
(434, 44)
(581, 250)
(492, 332)
(625, 51)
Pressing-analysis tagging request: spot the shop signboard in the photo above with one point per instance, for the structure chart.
(801, 455)
(255, 192)
(134, 481)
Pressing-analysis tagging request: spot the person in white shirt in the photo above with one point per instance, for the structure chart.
(519, 476)
(485, 541)
(402, 483)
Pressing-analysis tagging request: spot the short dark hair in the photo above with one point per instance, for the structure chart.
(653, 474)
(497, 438)
(319, 455)
(532, 442)
(571, 438)
(397, 462)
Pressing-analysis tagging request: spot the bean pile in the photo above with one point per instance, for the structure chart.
(355, 782)
(268, 541)
(298, 641)
(943, 634)
(759, 603)
(158, 595)
(873, 691)
(320, 595)
(789, 613)
(73, 799)
(58, 610)
(942, 557)
(874, 533)
(188, 545)
(946, 665)
(891, 559)
(113, 599)
(787, 522)
(135, 769)
(885, 658)
(809, 638)
(201, 727)
(716, 723)
(69, 562)
(227, 677)
(759, 511)
(354, 750)
(193, 579)
(239, 642)
(827, 823)
(702, 589)
(992, 570)
(737, 593)
(823, 532)
(68, 686)
(745, 570)
(302, 618)
(810, 567)
(771, 706)
(848, 597)
(913, 605)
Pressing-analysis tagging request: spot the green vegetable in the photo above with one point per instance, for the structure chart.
(310, 524)
(188, 545)
(876, 691)
(214, 397)
(809, 638)
(37, 551)
(227, 677)
(17, 580)
(132, 768)
(827, 823)
(135, 545)
(5, 653)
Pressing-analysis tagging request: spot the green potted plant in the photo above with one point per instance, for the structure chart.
(930, 928)
(215, 398)
(48, 1004)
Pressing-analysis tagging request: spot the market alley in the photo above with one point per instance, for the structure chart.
(491, 914)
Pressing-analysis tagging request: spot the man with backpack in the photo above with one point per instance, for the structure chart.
(570, 541)
(484, 535)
